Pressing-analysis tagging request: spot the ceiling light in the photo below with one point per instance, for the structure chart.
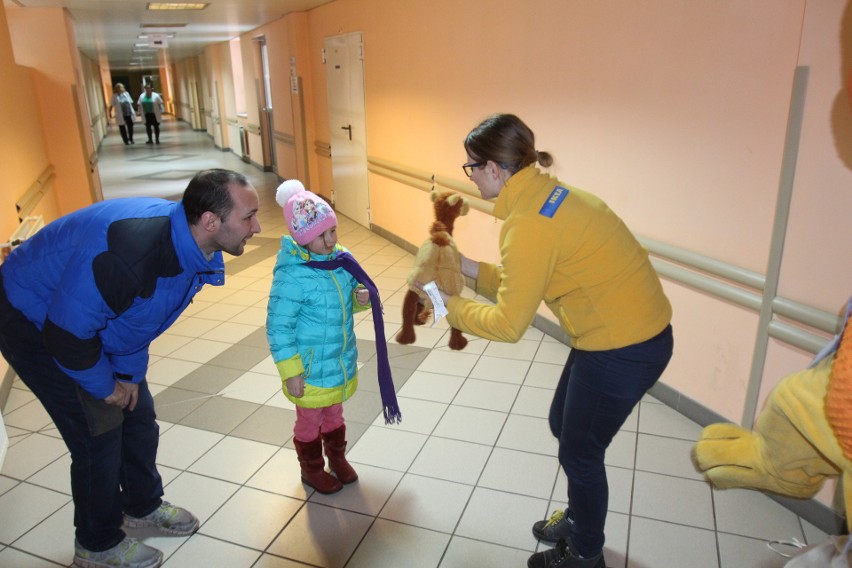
(177, 5)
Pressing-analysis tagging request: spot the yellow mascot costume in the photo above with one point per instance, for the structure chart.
(802, 437)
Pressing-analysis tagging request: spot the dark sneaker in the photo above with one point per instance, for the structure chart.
(557, 527)
(129, 553)
(564, 556)
(169, 519)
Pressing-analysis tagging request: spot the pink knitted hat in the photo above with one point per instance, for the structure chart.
(307, 214)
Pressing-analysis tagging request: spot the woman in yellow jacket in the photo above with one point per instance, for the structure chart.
(566, 247)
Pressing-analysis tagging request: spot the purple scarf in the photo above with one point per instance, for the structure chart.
(347, 261)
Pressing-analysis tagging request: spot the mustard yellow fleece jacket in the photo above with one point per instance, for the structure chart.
(566, 247)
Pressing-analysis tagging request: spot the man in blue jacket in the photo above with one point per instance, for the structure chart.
(80, 303)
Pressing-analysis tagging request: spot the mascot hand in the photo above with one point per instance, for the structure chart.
(791, 450)
(729, 456)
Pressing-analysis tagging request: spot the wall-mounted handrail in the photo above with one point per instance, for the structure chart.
(719, 279)
(425, 181)
(285, 138)
(704, 263)
(31, 197)
(322, 149)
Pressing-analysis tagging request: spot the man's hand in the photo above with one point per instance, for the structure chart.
(296, 386)
(125, 395)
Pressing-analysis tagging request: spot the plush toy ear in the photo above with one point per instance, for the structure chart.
(465, 207)
(435, 195)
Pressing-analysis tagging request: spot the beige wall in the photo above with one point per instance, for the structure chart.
(22, 153)
(673, 112)
(43, 40)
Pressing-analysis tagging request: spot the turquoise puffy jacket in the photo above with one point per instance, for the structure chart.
(310, 328)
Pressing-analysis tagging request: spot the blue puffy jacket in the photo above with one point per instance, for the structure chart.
(103, 282)
(310, 328)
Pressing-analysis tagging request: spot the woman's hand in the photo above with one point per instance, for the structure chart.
(125, 395)
(296, 386)
(469, 268)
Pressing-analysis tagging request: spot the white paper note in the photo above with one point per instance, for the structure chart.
(439, 310)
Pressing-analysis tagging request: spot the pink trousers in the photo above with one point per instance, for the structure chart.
(311, 421)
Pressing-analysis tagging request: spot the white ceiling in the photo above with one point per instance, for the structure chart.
(108, 30)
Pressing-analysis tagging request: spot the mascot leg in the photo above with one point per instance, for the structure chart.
(792, 449)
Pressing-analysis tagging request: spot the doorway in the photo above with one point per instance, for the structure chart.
(344, 63)
(264, 95)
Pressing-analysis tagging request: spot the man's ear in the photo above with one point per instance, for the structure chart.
(209, 221)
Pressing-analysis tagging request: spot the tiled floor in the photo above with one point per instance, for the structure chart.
(458, 484)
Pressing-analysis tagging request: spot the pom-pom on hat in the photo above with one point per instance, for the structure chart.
(307, 214)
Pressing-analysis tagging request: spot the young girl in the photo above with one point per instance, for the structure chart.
(310, 330)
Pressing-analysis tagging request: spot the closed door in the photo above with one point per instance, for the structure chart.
(347, 123)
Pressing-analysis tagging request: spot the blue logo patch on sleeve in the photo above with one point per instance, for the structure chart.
(554, 200)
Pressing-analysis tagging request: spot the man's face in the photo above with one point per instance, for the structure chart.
(241, 223)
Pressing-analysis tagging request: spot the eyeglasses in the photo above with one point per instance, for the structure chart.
(468, 168)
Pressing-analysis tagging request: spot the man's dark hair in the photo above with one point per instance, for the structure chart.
(208, 191)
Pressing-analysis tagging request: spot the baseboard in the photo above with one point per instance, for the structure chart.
(6, 386)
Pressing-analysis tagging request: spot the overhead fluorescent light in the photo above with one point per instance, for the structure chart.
(157, 40)
(162, 26)
(177, 5)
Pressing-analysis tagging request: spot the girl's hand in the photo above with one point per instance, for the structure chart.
(362, 295)
(296, 386)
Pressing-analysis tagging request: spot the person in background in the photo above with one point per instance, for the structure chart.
(316, 287)
(80, 303)
(564, 246)
(121, 105)
(151, 107)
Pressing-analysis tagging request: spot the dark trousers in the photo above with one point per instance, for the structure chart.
(595, 395)
(152, 124)
(126, 129)
(111, 473)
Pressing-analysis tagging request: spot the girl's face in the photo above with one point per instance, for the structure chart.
(324, 242)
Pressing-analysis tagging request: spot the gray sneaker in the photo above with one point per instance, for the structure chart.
(557, 527)
(564, 555)
(129, 553)
(169, 519)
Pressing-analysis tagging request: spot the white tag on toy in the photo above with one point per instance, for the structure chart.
(438, 308)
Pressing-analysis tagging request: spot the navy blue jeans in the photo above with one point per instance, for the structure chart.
(111, 473)
(596, 393)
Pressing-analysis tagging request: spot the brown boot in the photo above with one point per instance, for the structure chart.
(313, 467)
(335, 449)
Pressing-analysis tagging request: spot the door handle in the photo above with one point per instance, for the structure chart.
(347, 128)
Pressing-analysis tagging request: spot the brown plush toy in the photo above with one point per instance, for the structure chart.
(437, 260)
